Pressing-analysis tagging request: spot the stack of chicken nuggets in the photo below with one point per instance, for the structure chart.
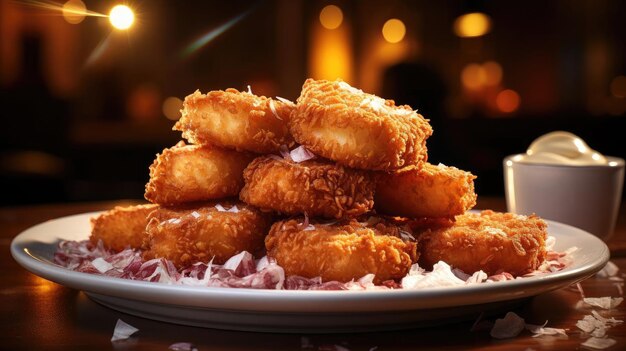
(354, 196)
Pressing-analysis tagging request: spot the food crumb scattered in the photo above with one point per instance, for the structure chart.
(609, 270)
(508, 327)
(123, 331)
(182, 346)
(598, 343)
(596, 325)
(540, 330)
(606, 302)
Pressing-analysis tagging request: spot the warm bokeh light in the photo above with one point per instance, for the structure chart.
(473, 24)
(394, 30)
(74, 11)
(32, 162)
(121, 17)
(44, 286)
(618, 87)
(473, 76)
(171, 108)
(143, 102)
(493, 73)
(508, 100)
(330, 52)
(331, 17)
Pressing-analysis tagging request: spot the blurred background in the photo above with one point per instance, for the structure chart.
(89, 93)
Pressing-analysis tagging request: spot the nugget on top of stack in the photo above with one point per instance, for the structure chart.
(236, 120)
(356, 129)
(357, 162)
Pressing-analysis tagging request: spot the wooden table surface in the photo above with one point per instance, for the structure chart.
(36, 314)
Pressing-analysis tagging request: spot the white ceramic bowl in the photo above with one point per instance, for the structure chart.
(587, 197)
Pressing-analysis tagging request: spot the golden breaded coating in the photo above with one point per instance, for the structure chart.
(432, 191)
(121, 227)
(490, 241)
(318, 188)
(342, 251)
(236, 120)
(187, 173)
(356, 129)
(203, 232)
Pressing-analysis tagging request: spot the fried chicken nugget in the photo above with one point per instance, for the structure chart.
(203, 232)
(490, 241)
(318, 188)
(356, 129)
(236, 120)
(121, 227)
(432, 191)
(187, 173)
(342, 251)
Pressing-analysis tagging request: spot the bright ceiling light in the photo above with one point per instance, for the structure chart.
(121, 17)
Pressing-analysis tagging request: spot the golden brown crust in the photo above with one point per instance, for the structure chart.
(121, 227)
(432, 191)
(356, 129)
(236, 120)
(187, 173)
(341, 251)
(201, 232)
(490, 241)
(318, 188)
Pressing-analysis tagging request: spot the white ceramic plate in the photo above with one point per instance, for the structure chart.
(297, 311)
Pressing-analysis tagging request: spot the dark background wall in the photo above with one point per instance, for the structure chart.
(82, 105)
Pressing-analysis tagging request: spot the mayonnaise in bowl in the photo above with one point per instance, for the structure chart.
(562, 148)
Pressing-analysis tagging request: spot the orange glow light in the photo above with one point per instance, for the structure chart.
(473, 76)
(508, 101)
(618, 87)
(330, 53)
(473, 24)
(331, 17)
(143, 102)
(74, 11)
(493, 73)
(171, 108)
(394, 30)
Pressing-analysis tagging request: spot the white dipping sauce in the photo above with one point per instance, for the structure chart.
(562, 148)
